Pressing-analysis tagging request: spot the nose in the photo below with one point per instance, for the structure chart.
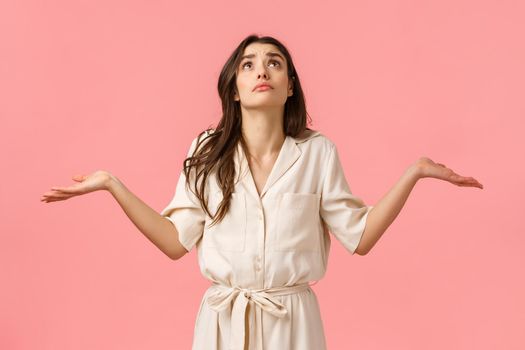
(262, 72)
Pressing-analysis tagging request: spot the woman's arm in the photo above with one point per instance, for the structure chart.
(387, 209)
(156, 228)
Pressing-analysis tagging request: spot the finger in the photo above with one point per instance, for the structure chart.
(471, 180)
(52, 199)
(467, 182)
(468, 178)
(70, 189)
(57, 195)
(463, 183)
(55, 199)
(477, 184)
(472, 185)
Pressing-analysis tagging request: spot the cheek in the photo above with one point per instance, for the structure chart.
(282, 81)
(242, 86)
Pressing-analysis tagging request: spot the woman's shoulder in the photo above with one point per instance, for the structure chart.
(204, 134)
(199, 140)
(313, 138)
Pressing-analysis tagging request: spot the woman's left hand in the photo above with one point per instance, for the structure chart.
(427, 168)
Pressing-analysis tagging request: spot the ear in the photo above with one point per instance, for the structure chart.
(291, 86)
(235, 96)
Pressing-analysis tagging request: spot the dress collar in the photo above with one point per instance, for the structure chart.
(288, 155)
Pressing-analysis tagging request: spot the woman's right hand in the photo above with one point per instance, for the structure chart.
(85, 183)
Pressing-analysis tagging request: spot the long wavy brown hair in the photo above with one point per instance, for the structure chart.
(215, 151)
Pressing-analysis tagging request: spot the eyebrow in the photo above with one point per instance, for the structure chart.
(269, 54)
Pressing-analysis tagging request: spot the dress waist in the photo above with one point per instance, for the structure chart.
(220, 296)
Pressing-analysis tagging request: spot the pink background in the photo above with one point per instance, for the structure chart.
(125, 85)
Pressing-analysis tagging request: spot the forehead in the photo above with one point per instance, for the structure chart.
(261, 49)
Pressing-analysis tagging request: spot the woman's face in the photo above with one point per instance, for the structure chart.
(264, 64)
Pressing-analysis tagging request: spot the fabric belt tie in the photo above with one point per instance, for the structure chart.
(220, 297)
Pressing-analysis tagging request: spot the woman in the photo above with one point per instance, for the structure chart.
(258, 196)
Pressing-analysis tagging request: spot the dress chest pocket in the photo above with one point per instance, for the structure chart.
(229, 234)
(298, 223)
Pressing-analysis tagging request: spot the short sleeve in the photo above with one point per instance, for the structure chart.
(185, 212)
(344, 213)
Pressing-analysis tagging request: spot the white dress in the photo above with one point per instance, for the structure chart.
(267, 251)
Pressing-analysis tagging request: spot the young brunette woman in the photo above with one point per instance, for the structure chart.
(258, 196)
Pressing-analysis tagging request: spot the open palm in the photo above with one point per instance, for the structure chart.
(85, 184)
(428, 168)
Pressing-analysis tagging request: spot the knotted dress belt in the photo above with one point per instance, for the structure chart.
(220, 297)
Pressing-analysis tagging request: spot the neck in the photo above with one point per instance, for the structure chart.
(262, 131)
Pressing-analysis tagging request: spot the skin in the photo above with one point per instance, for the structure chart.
(262, 120)
(388, 207)
(262, 111)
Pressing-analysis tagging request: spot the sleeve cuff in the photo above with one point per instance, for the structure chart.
(362, 226)
(181, 236)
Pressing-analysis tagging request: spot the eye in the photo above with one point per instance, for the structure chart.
(279, 63)
(249, 62)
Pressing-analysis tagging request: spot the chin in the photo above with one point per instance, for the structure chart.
(263, 105)
(264, 102)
